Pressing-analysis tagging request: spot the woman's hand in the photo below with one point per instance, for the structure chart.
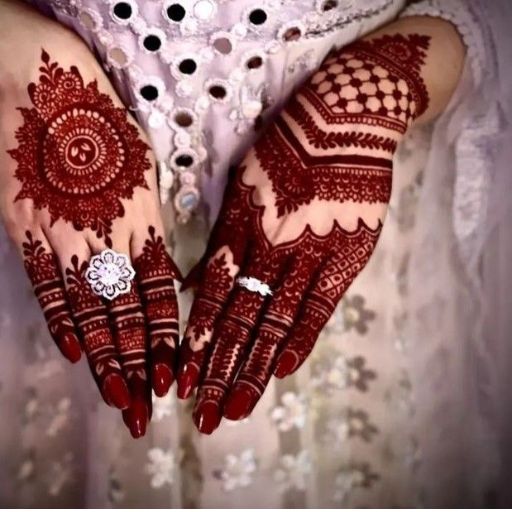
(300, 219)
(77, 177)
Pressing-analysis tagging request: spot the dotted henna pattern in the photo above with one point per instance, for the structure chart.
(78, 155)
(333, 144)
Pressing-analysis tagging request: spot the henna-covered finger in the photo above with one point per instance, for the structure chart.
(91, 317)
(278, 318)
(155, 274)
(45, 275)
(127, 320)
(324, 295)
(215, 278)
(231, 342)
(218, 279)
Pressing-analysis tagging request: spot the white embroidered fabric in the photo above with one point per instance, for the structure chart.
(398, 405)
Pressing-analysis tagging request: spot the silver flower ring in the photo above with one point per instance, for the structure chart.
(110, 274)
(254, 285)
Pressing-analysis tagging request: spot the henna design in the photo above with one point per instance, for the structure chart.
(156, 272)
(91, 316)
(78, 156)
(372, 82)
(298, 180)
(285, 220)
(44, 274)
(327, 140)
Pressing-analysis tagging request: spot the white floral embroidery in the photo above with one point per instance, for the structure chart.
(293, 471)
(60, 415)
(238, 470)
(26, 469)
(60, 474)
(334, 376)
(351, 477)
(163, 407)
(337, 431)
(291, 414)
(161, 467)
(337, 372)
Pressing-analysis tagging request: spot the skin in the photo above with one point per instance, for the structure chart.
(25, 31)
(236, 340)
(136, 350)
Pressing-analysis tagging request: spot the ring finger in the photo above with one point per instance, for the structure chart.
(231, 340)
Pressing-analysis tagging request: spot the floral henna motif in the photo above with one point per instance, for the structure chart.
(156, 273)
(322, 167)
(78, 156)
(43, 271)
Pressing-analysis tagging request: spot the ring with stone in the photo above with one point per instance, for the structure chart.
(110, 274)
(254, 285)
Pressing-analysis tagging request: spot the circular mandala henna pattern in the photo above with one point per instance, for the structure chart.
(78, 156)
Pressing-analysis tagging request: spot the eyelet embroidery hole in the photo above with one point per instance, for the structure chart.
(175, 12)
(123, 12)
(223, 45)
(258, 17)
(187, 66)
(183, 119)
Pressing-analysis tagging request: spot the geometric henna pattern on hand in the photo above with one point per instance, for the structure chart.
(78, 156)
(369, 89)
(332, 144)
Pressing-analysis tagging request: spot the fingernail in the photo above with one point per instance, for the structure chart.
(240, 403)
(70, 347)
(285, 364)
(136, 418)
(186, 380)
(117, 392)
(207, 417)
(162, 379)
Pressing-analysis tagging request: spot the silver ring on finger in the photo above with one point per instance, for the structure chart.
(254, 285)
(110, 274)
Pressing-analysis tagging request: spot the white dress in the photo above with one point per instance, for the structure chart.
(383, 413)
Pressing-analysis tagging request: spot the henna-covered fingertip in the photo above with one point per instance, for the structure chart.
(286, 364)
(70, 348)
(187, 380)
(162, 378)
(136, 418)
(116, 391)
(207, 417)
(240, 403)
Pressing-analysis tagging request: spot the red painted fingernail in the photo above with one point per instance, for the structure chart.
(240, 403)
(70, 347)
(117, 392)
(285, 364)
(186, 380)
(136, 418)
(162, 379)
(207, 417)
